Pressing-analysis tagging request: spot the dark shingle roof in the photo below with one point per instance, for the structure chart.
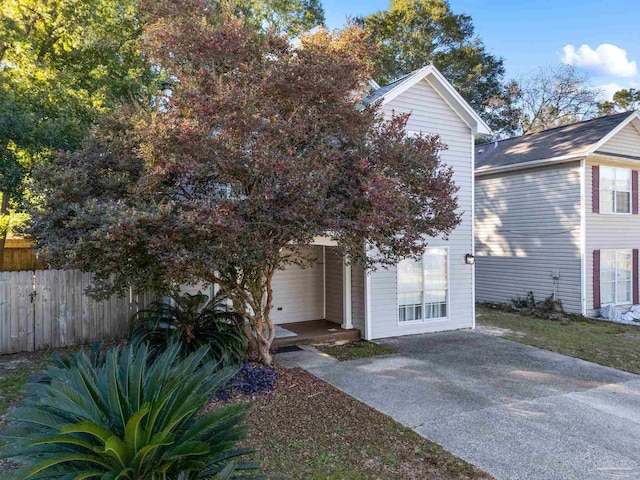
(380, 92)
(556, 142)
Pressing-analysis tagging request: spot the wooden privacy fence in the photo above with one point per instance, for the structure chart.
(19, 255)
(49, 309)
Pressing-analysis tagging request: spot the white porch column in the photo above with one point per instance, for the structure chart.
(346, 295)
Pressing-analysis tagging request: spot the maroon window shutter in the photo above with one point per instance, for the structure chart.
(634, 192)
(634, 276)
(595, 189)
(596, 279)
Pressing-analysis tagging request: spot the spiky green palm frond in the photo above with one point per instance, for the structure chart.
(192, 322)
(129, 418)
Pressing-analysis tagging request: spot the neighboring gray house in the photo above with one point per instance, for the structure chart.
(557, 214)
(414, 297)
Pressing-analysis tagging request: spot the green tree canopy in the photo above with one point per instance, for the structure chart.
(63, 63)
(623, 100)
(291, 17)
(413, 33)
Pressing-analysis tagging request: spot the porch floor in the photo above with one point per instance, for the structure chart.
(315, 331)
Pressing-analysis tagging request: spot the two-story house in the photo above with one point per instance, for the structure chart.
(435, 293)
(557, 214)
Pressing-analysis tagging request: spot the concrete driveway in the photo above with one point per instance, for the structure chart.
(515, 411)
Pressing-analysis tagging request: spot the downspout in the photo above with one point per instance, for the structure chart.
(583, 238)
(367, 302)
(473, 231)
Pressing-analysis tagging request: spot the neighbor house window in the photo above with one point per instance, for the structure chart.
(423, 286)
(616, 276)
(615, 190)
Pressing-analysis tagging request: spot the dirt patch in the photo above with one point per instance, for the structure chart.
(497, 331)
(307, 429)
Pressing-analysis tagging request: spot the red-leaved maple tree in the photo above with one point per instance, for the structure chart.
(264, 145)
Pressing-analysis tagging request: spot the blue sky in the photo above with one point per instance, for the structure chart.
(529, 34)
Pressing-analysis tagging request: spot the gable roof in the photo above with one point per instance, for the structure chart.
(555, 144)
(442, 86)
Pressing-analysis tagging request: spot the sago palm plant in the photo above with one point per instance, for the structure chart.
(192, 322)
(130, 418)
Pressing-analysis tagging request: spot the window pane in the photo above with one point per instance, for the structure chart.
(607, 178)
(436, 310)
(606, 201)
(435, 296)
(624, 292)
(623, 179)
(608, 259)
(607, 293)
(412, 298)
(409, 276)
(410, 306)
(623, 264)
(623, 202)
(422, 287)
(607, 275)
(435, 268)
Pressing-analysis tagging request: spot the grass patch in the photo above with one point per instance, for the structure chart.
(606, 343)
(307, 429)
(15, 370)
(356, 350)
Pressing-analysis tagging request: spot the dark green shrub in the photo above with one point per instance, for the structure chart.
(131, 418)
(548, 308)
(524, 302)
(191, 323)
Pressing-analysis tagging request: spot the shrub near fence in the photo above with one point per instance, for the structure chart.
(49, 309)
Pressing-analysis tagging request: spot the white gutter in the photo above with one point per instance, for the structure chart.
(526, 165)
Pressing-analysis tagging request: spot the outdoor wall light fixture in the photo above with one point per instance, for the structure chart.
(469, 259)
(167, 89)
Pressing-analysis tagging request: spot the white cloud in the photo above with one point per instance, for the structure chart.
(607, 58)
(609, 89)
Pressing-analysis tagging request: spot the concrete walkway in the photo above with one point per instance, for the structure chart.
(515, 411)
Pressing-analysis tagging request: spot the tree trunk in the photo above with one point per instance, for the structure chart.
(253, 299)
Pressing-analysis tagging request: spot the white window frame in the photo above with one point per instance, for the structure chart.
(603, 192)
(448, 292)
(615, 269)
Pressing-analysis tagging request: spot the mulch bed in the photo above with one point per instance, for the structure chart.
(307, 429)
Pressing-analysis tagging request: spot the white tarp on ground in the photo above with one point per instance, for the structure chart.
(615, 314)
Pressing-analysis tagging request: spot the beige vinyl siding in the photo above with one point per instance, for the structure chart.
(357, 296)
(298, 294)
(527, 225)
(431, 114)
(607, 231)
(625, 142)
(334, 285)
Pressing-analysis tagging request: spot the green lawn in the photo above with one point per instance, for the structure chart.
(356, 350)
(606, 343)
(15, 370)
